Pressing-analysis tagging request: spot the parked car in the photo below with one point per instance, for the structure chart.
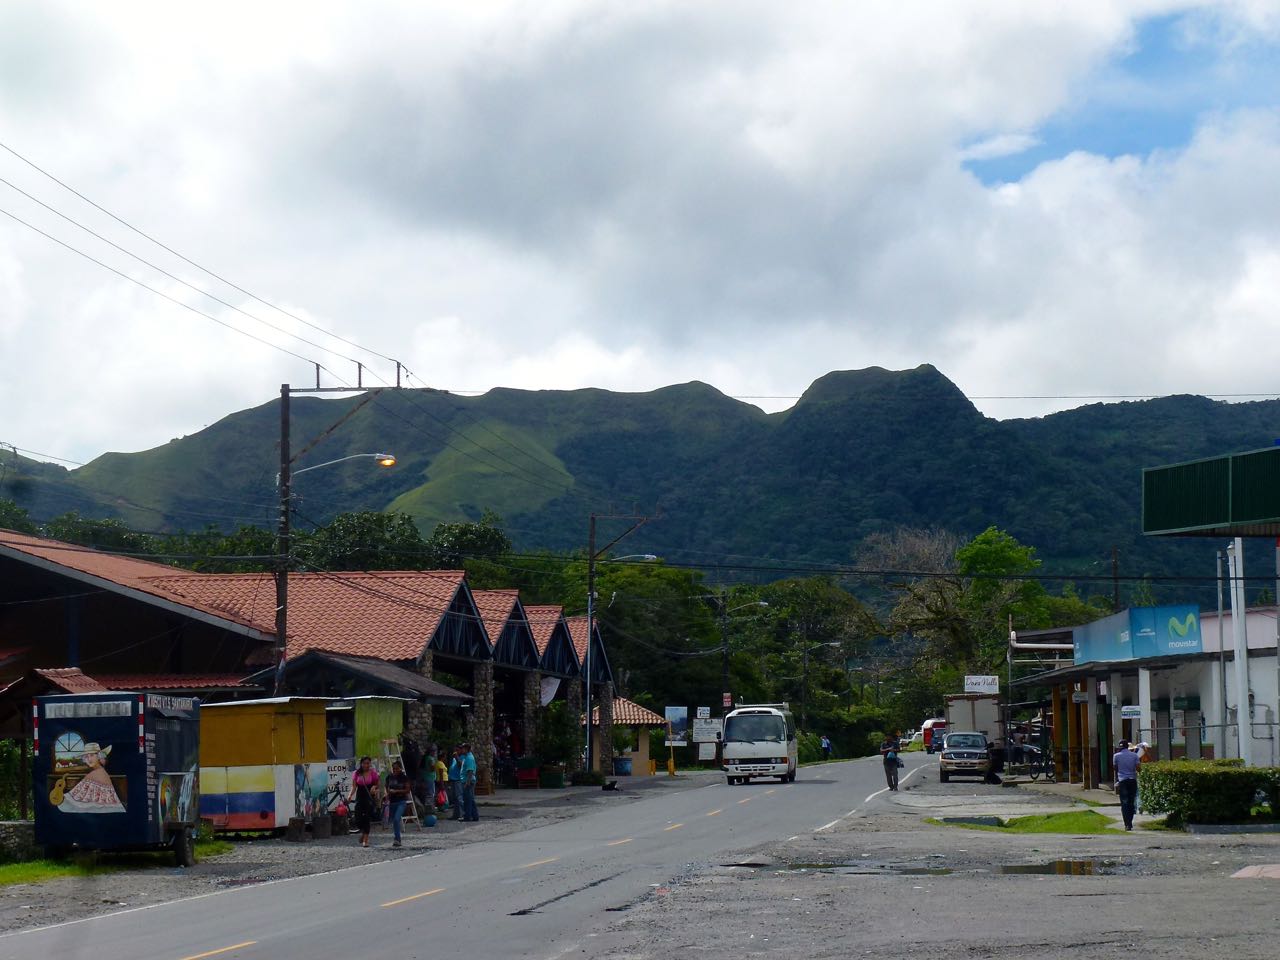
(917, 737)
(965, 754)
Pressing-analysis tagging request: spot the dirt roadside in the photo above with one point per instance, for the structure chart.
(886, 882)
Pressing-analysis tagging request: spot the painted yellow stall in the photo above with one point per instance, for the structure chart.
(263, 762)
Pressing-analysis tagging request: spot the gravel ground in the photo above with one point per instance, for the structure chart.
(886, 882)
(259, 860)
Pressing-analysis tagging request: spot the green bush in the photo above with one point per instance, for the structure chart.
(809, 747)
(1204, 791)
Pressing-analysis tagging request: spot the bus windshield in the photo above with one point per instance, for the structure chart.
(755, 726)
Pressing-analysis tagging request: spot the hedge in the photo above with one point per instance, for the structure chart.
(1205, 791)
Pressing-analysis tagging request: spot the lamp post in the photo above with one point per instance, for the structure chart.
(725, 610)
(284, 485)
(592, 556)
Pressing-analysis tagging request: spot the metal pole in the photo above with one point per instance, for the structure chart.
(591, 620)
(1275, 730)
(724, 648)
(282, 544)
(1222, 660)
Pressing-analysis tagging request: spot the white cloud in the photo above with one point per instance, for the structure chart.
(612, 195)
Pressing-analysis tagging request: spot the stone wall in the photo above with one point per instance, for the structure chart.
(480, 724)
(18, 841)
(606, 727)
(573, 700)
(420, 716)
(532, 706)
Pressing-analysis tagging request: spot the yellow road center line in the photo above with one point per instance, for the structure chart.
(714, 813)
(674, 826)
(746, 800)
(416, 896)
(538, 863)
(214, 953)
(767, 792)
(616, 843)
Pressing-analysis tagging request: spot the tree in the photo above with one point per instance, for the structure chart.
(246, 550)
(451, 545)
(100, 534)
(363, 541)
(14, 517)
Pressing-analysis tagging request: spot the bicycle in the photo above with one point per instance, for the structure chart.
(1042, 763)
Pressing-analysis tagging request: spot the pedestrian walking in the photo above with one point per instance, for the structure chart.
(427, 778)
(398, 793)
(1126, 766)
(364, 796)
(468, 770)
(826, 747)
(889, 751)
(454, 777)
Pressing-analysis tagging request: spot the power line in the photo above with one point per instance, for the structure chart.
(161, 293)
(188, 260)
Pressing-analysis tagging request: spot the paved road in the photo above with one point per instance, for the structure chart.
(539, 893)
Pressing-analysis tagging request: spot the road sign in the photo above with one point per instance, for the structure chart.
(728, 700)
(981, 684)
(1133, 712)
(707, 731)
(704, 712)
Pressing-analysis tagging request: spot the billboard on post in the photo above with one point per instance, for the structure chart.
(677, 725)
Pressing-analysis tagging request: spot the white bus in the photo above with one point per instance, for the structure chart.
(759, 740)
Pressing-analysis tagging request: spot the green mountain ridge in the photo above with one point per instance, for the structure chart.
(862, 451)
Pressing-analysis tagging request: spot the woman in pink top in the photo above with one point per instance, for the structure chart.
(364, 792)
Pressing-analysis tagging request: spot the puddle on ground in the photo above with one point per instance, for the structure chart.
(864, 869)
(1062, 868)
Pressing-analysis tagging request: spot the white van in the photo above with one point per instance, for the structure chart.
(759, 740)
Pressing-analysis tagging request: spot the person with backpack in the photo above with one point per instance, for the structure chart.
(398, 796)
(468, 771)
(889, 751)
(364, 795)
(454, 780)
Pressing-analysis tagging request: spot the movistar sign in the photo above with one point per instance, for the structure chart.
(1139, 633)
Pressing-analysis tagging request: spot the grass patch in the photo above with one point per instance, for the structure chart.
(1074, 821)
(38, 871)
(91, 864)
(1161, 824)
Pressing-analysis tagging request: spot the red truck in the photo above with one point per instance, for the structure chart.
(932, 732)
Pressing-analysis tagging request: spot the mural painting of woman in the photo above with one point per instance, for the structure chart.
(95, 792)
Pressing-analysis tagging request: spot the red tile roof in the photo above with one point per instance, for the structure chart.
(496, 608)
(72, 680)
(578, 631)
(389, 615)
(630, 714)
(173, 681)
(542, 623)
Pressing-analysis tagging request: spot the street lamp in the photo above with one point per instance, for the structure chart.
(727, 694)
(284, 481)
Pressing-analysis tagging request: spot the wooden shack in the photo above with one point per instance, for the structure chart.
(263, 762)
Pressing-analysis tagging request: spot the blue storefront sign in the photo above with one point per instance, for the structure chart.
(1139, 633)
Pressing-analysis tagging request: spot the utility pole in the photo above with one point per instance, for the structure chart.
(726, 694)
(591, 622)
(1115, 579)
(282, 543)
(592, 556)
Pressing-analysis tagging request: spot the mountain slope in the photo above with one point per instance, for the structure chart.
(861, 451)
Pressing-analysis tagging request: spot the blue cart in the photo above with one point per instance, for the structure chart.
(117, 771)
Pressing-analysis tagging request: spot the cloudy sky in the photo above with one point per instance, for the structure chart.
(1045, 201)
